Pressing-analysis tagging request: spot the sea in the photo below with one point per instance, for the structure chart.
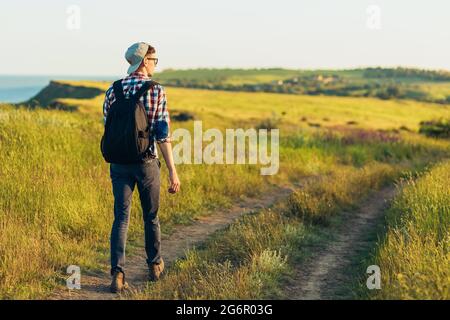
(20, 88)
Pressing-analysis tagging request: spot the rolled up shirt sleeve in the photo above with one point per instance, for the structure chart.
(161, 126)
(106, 104)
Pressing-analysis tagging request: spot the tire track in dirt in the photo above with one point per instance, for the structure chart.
(323, 274)
(96, 286)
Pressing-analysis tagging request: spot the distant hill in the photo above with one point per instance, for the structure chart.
(48, 97)
(383, 83)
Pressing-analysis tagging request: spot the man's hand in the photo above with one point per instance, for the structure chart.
(166, 150)
(174, 181)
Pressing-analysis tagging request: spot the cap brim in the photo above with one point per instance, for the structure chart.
(134, 67)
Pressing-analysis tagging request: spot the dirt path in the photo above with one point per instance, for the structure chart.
(96, 286)
(326, 271)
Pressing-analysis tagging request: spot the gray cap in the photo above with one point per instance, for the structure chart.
(135, 54)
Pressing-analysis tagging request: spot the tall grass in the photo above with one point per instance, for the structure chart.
(414, 257)
(319, 202)
(250, 259)
(56, 200)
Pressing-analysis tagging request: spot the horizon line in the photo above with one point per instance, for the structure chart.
(234, 68)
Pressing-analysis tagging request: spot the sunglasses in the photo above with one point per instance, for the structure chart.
(155, 59)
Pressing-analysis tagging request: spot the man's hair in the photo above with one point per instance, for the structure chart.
(150, 50)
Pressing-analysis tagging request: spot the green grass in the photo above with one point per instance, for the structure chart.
(253, 257)
(414, 256)
(56, 200)
(222, 108)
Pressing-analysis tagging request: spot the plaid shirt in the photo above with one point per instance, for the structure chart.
(155, 104)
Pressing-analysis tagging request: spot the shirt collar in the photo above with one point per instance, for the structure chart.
(139, 75)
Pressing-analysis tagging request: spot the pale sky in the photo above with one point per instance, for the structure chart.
(300, 34)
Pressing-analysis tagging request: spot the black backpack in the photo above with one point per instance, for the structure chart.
(126, 139)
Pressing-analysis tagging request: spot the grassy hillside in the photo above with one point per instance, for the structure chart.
(399, 83)
(290, 110)
(381, 83)
(414, 257)
(55, 192)
(250, 259)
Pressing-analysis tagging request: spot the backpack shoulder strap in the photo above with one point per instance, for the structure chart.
(145, 87)
(118, 90)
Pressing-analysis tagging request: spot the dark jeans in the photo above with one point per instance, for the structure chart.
(124, 178)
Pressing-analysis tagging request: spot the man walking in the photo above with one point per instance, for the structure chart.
(145, 171)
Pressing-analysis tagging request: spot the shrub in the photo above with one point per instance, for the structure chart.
(435, 128)
(183, 116)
